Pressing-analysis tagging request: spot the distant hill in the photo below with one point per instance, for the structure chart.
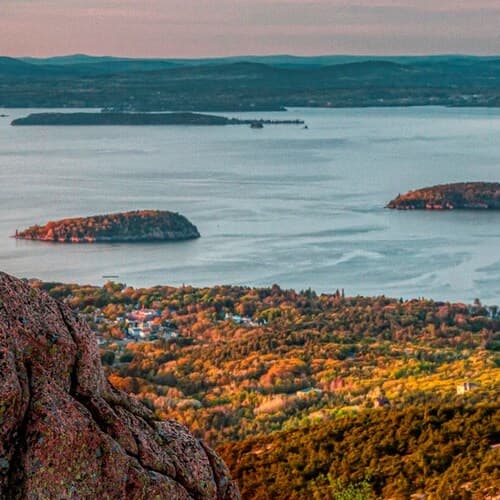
(75, 59)
(250, 83)
(89, 65)
(272, 60)
(14, 67)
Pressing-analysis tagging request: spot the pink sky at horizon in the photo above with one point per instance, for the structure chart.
(209, 28)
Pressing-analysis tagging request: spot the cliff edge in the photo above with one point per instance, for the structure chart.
(65, 432)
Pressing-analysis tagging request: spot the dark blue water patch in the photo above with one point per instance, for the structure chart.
(230, 177)
(197, 273)
(488, 289)
(301, 195)
(291, 179)
(492, 268)
(487, 236)
(320, 234)
(301, 144)
(346, 231)
(328, 278)
(412, 139)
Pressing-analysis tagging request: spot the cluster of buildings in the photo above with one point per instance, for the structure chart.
(140, 324)
(146, 324)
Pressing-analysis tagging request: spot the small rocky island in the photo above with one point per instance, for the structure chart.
(141, 225)
(463, 195)
(114, 119)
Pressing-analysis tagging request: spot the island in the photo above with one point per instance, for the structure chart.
(463, 195)
(135, 226)
(114, 118)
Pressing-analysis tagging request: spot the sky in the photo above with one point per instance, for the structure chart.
(207, 28)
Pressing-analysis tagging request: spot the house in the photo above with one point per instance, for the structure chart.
(309, 392)
(466, 387)
(143, 315)
(234, 317)
(240, 320)
(134, 332)
(99, 318)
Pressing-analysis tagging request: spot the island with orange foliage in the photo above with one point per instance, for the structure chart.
(139, 225)
(463, 195)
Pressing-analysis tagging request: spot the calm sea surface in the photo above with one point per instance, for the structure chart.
(301, 208)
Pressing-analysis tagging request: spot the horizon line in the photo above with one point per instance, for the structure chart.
(291, 55)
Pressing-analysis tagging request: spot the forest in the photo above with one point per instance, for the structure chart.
(313, 376)
(446, 452)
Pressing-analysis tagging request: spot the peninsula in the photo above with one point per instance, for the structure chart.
(118, 118)
(141, 225)
(463, 195)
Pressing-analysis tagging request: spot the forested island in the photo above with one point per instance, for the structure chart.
(376, 396)
(463, 195)
(140, 225)
(112, 118)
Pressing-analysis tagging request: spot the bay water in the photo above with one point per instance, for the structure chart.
(288, 205)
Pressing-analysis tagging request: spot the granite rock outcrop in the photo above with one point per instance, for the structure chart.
(65, 432)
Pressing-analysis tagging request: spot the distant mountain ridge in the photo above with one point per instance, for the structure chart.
(249, 83)
(16, 67)
(277, 59)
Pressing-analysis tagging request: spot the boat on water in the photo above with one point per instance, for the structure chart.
(256, 125)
